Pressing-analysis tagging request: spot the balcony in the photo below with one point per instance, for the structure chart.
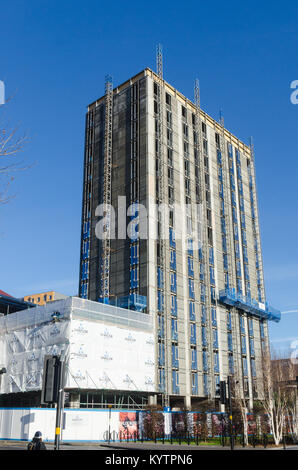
(235, 299)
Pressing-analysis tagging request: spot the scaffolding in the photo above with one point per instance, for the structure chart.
(161, 216)
(204, 233)
(107, 183)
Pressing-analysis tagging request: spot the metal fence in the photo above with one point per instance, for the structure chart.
(224, 440)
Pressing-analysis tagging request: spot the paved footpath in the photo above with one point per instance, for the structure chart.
(133, 446)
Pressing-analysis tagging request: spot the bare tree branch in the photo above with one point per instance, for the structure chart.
(11, 144)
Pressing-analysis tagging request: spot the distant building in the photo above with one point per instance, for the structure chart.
(44, 297)
(9, 304)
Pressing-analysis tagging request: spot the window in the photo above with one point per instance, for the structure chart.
(192, 313)
(183, 110)
(161, 380)
(243, 345)
(213, 316)
(244, 366)
(194, 360)
(213, 294)
(242, 325)
(175, 382)
(161, 354)
(173, 305)
(194, 383)
(160, 282)
(253, 368)
(168, 99)
(212, 278)
(186, 167)
(229, 321)
(175, 361)
(230, 342)
(190, 267)
(161, 326)
(205, 361)
(227, 282)
(216, 362)
(174, 329)
(185, 130)
(160, 301)
(203, 293)
(251, 346)
(231, 364)
(209, 218)
(173, 282)
(215, 339)
(191, 292)
(250, 327)
(171, 195)
(204, 337)
(173, 259)
(172, 238)
(217, 140)
(211, 256)
(201, 272)
(204, 315)
(193, 334)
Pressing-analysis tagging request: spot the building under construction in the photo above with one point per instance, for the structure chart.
(148, 146)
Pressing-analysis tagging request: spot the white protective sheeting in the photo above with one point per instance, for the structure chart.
(109, 357)
(104, 347)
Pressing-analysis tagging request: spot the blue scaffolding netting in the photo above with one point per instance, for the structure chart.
(261, 310)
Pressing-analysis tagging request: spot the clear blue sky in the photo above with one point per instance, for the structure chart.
(54, 57)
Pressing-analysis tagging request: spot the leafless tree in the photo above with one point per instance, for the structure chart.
(291, 372)
(240, 404)
(11, 144)
(275, 395)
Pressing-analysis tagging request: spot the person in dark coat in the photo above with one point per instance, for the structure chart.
(36, 443)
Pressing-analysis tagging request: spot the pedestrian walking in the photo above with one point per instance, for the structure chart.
(37, 443)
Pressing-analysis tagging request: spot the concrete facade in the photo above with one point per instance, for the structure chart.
(167, 151)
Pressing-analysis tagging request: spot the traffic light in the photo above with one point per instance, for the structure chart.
(223, 392)
(51, 379)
